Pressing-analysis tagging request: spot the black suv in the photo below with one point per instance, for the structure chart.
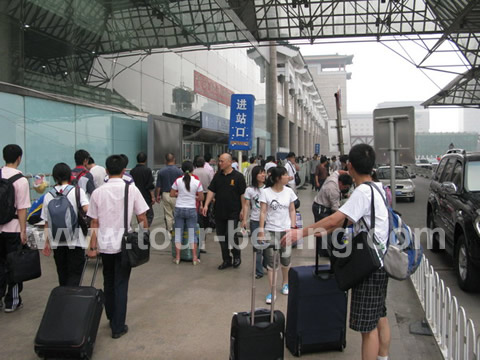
(454, 206)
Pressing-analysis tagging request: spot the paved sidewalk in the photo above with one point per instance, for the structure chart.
(184, 312)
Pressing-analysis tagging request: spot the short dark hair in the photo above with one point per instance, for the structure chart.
(362, 158)
(125, 159)
(345, 179)
(61, 172)
(169, 157)
(115, 164)
(141, 157)
(270, 158)
(275, 174)
(323, 159)
(343, 158)
(80, 156)
(208, 157)
(200, 162)
(255, 171)
(11, 153)
(91, 161)
(252, 159)
(290, 154)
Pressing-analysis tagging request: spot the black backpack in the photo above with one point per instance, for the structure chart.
(7, 199)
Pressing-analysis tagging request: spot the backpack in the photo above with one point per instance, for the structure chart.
(76, 175)
(61, 215)
(404, 252)
(7, 199)
(33, 215)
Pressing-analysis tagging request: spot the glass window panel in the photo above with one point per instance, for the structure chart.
(152, 95)
(172, 68)
(127, 135)
(94, 132)
(50, 134)
(127, 80)
(12, 120)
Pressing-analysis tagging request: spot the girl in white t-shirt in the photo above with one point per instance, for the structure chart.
(188, 190)
(69, 254)
(252, 195)
(277, 214)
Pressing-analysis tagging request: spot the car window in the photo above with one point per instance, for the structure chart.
(457, 174)
(472, 176)
(384, 173)
(447, 173)
(440, 169)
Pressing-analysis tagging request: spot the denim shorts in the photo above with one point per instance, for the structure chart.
(185, 220)
(285, 252)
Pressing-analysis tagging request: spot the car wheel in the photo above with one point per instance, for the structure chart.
(435, 240)
(466, 272)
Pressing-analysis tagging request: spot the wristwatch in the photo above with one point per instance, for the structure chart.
(93, 249)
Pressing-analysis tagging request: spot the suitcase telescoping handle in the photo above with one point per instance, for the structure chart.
(97, 261)
(274, 283)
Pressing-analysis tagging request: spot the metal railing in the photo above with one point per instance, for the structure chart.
(453, 331)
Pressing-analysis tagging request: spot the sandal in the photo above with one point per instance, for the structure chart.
(196, 262)
(176, 261)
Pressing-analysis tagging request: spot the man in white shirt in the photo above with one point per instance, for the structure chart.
(98, 172)
(292, 168)
(107, 212)
(270, 163)
(368, 312)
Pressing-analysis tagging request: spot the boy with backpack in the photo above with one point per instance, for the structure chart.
(14, 200)
(62, 232)
(80, 175)
(368, 312)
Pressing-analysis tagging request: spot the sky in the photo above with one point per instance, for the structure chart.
(380, 75)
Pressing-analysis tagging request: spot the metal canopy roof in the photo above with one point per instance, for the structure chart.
(63, 37)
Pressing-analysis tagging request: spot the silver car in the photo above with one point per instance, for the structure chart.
(404, 186)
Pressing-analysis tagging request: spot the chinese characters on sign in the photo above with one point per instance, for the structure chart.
(317, 149)
(241, 122)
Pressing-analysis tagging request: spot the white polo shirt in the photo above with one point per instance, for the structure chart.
(107, 205)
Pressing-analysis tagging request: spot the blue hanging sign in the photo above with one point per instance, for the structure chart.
(317, 149)
(241, 122)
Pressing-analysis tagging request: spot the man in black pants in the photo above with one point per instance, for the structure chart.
(143, 178)
(228, 187)
(107, 212)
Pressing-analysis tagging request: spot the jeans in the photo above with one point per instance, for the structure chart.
(115, 285)
(9, 242)
(259, 259)
(185, 218)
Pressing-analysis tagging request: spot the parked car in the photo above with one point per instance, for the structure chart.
(454, 206)
(404, 186)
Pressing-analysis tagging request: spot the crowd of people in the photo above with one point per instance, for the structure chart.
(258, 194)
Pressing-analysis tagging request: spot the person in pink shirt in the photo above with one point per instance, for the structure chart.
(107, 213)
(14, 232)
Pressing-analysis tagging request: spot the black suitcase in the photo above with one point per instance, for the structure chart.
(261, 336)
(316, 312)
(70, 322)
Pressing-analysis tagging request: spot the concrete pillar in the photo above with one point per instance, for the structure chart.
(271, 92)
(294, 144)
(284, 132)
(11, 43)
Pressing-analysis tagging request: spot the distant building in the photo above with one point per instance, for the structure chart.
(329, 74)
(469, 120)
(361, 128)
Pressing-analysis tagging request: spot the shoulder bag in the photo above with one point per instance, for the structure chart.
(363, 259)
(135, 246)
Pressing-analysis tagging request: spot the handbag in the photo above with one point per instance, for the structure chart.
(363, 259)
(296, 176)
(23, 265)
(135, 246)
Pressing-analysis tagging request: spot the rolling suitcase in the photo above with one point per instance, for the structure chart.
(258, 334)
(316, 311)
(70, 322)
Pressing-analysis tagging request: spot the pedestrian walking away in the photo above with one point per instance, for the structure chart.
(80, 175)
(368, 312)
(165, 178)
(188, 190)
(15, 196)
(107, 212)
(228, 188)
(62, 233)
(143, 178)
